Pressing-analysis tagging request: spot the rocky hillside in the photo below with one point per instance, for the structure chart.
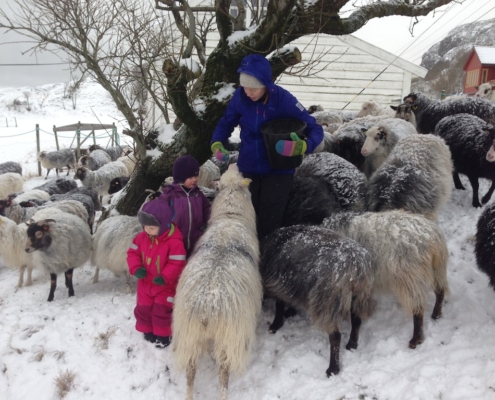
(445, 59)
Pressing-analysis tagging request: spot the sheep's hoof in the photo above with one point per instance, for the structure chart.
(272, 331)
(436, 316)
(415, 342)
(332, 370)
(485, 199)
(460, 187)
(50, 298)
(351, 344)
(476, 204)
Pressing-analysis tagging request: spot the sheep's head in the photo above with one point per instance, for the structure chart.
(232, 178)
(374, 136)
(312, 109)
(41, 155)
(3, 205)
(94, 147)
(80, 173)
(484, 90)
(410, 98)
(490, 131)
(403, 111)
(38, 235)
(83, 160)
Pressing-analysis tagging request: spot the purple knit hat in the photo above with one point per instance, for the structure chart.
(185, 167)
(156, 213)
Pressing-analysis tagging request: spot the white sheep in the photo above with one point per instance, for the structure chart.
(130, 161)
(373, 108)
(110, 243)
(32, 194)
(101, 178)
(10, 182)
(485, 90)
(381, 139)
(57, 159)
(219, 292)
(12, 249)
(59, 242)
(409, 253)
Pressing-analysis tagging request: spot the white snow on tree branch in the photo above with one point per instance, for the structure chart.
(190, 64)
(224, 92)
(239, 35)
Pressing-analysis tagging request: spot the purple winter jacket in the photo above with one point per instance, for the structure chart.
(190, 212)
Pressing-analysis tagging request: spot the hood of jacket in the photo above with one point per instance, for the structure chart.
(259, 67)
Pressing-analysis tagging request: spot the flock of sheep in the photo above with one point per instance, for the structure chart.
(361, 218)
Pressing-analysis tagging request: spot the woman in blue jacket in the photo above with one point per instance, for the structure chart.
(256, 101)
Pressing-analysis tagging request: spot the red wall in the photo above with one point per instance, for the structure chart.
(473, 63)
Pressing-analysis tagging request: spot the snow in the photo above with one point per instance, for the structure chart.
(92, 335)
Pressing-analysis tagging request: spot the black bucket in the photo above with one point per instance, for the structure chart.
(280, 129)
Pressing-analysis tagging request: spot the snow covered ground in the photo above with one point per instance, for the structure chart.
(91, 337)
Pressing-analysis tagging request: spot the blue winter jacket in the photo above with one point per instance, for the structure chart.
(251, 115)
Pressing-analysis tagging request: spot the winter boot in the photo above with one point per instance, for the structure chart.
(150, 337)
(162, 341)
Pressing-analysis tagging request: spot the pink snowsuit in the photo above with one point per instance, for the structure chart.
(163, 255)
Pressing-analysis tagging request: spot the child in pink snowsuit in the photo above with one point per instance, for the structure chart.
(156, 257)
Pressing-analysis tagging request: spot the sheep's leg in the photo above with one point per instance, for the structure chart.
(278, 322)
(190, 374)
(96, 275)
(56, 170)
(457, 181)
(47, 172)
(475, 185)
(418, 335)
(224, 381)
(53, 286)
(68, 169)
(68, 281)
(29, 280)
(437, 310)
(486, 198)
(290, 312)
(334, 367)
(354, 337)
(21, 276)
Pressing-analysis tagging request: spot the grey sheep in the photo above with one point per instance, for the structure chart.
(59, 242)
(346, 181)
(326, 274)
(416, 177)
(114, 152)
(58, 186)
(429, 112)
(57, 159)
(219, 292)
(110, 243)
(469, 139)
(100, 179)
(10, 166)
(88, 191)
(95, 159)
(409, 253)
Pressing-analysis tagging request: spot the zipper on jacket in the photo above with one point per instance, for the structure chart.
(190, 218)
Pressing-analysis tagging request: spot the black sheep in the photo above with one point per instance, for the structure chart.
(485, 238)
(469, 139)
(429, 112)
(117, 184)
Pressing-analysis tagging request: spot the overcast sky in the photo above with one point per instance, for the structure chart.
(389, 33)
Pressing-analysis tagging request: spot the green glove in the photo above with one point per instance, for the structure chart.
(294, 147)
(140, 273)
(159, 281)
(219, 151)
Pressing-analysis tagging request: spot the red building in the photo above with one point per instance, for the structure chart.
(479, 68)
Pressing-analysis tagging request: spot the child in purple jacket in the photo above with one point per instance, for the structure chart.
(190, 207)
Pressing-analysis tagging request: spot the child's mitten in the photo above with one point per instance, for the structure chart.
(219, 151)
(159, 281)
(140, 273)
(294, 147)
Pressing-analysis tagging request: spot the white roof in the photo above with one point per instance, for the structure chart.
(485, 54)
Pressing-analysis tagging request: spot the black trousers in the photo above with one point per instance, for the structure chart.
(269, 194)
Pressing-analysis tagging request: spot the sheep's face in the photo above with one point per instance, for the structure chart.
(374, 136)
(39, 235)
(484, 90)
(403, 111)
(490, 155)
(41, 155)
(80, 173)
(410, 98)
(3, 206)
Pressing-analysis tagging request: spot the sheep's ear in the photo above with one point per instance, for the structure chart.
(394, 108)
(363, 130)
(414, 107)
(246, 182)
(489, 127)
(476, 87)
(47, 221)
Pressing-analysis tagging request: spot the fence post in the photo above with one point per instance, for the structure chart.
(94, 137)
(115, 134)
(78, 137)
(56, 137)
(38, 147)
